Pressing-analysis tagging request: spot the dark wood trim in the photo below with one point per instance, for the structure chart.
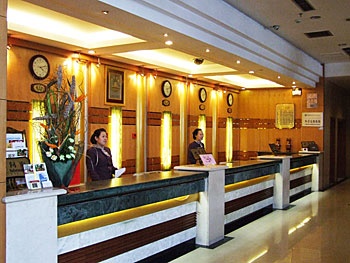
(119, 245)
(247, 200)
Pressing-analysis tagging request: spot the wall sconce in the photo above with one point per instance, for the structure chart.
(98, 63)
(296, 92)
(155, 74)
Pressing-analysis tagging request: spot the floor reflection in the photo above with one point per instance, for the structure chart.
(314, 229)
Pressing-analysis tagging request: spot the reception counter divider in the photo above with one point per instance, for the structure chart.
(156, 214)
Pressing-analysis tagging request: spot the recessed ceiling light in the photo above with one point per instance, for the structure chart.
(105, 12)
(251, 72)
(293, 82)
(238, 62)
(165, 35)
(91, 52)
(207, 50)
(278, 77)
(168, 42)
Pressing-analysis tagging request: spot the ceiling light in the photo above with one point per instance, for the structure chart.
(251, 72)
(91, 52)
(207, 50)
(238, 62)
(296, 92)
(105, 12)
(293, 82)
(168, 42)
(278, 77)
(165, 35)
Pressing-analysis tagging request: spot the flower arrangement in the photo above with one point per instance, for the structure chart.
(59, 122)
(61, 110)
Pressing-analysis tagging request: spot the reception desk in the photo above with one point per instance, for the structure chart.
(153, 214)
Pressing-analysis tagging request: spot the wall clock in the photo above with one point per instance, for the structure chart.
(202, 95)
(166, 88)
(230, 99)
(39, 67)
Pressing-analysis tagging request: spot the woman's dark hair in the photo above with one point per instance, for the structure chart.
(195, 132)
(96, 134)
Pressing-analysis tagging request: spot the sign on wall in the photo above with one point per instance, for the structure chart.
(312, 119)
(284, 116)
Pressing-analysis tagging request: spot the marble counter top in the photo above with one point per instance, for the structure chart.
(128, 191)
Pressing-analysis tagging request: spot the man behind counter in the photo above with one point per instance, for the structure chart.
(197, 135)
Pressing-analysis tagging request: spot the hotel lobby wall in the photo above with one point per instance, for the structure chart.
(256, 123)
(253, 111)
(3, 91)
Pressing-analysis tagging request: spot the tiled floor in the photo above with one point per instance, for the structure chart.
(314, 229)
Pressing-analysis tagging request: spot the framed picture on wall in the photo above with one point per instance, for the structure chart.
(115, 90)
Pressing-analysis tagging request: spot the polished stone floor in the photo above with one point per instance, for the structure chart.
(316, 228)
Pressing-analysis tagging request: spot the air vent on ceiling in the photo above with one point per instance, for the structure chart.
(347, 50)
(304, 5)
(325, 33)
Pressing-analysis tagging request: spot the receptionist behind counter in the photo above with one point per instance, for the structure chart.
(197, 135)
(99, 158)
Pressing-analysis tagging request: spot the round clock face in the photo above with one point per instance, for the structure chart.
(230, 99)
(166, 88)
(202, 95)
(39, 67)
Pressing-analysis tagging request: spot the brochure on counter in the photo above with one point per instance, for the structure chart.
(36, 176)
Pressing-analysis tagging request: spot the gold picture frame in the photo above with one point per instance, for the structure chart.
(115, 88)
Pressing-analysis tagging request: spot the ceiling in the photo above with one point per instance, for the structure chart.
(80, 26)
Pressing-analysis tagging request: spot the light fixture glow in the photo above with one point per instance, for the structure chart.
(166, 141)
(168, 42)
(251, 72)
(91, 52)
(115, 137)
(229, 140)
(207, 50)
(238, 62)
(105, 12)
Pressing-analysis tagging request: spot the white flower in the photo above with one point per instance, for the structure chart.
(71, 140)
(51, 150)
(49, 154)
(68, 156)
(54, 157)
(73, 155)
(71, 148)
(61, 157)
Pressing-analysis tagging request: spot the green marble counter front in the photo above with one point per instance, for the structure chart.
(128, 191)
(239, 171)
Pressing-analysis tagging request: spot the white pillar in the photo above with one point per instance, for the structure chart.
(211, 206)
(31, 226)
(281, 187)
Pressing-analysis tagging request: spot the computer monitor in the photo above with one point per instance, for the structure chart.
(310, 145)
